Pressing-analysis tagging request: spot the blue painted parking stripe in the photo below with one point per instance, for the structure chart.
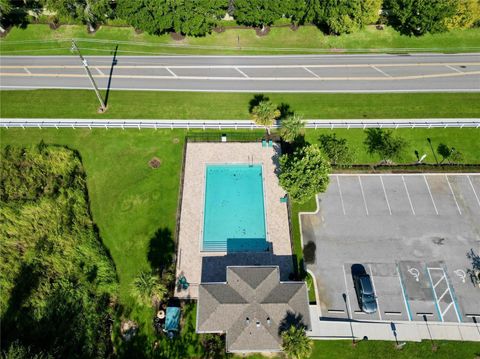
(434, 294)
(405, 296)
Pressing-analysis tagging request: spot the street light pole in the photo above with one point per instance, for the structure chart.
(103, 108)
(434, 155)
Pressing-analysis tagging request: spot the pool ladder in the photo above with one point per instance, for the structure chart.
(250, 160)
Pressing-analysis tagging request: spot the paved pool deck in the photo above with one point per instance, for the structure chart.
(198, 266)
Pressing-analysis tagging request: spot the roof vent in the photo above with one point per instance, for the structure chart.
(247, 321)
(258, 324)
(268, 321)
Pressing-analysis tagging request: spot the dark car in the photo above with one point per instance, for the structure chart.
(364, 289)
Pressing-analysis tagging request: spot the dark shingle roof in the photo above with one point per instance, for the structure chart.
(251, 307)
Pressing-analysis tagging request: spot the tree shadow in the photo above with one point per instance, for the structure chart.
(285, 111)
(291, 319)
(256, 100)
(475, 263)
(161, 249)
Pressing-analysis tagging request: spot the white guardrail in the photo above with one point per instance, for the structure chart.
(234, 124)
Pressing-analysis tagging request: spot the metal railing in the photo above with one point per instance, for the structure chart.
(235, 124)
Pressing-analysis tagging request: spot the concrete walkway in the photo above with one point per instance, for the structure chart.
(323, 329)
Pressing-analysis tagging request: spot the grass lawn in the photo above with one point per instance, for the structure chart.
(197, 105)
(40, 40)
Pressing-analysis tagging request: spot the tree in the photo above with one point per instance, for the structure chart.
(147, 288)
(195, 18)
(370, 11)
(304, 173)
(265, 113)
(296, 344)
(5, 8)
(467, 12)
(384, 143)
(90, 12)
(444, 151)
(336, 149)
(456, 156)
(418, 17)
(292, 127)
(258, 13)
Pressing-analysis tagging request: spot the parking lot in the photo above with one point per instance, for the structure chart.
(416, 236)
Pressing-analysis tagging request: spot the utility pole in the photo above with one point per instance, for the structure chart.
(103, 108)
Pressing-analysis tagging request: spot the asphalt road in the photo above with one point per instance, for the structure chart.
(315, 73)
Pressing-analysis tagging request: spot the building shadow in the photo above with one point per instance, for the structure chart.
(114, 63)
(214, 268)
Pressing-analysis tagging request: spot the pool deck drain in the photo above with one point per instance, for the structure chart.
(190, 258)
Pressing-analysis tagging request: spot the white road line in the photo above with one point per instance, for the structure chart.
(382, 72)
(453, 194)
(447, 308)
(27, 71)
(455, 307)
(386, 197)
(341, 196)
(473, 188)
(454, 69)
(435, 295)
(173, 73)
(346, 290)
(375, 290)
(363, 194)
(443, 294)
(408, 195)
(428, 187)
(313, 73)
(438, 282)
(99, 71)
(241, 72)
(404, 297)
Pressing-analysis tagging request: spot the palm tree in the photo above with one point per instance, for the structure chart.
(296, 344)
(147, 288)
(292, 127)
(264, 114)
(5, 8)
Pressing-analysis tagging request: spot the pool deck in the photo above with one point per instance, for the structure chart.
(196, 265)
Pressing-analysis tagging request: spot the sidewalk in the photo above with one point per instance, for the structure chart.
(377, 330)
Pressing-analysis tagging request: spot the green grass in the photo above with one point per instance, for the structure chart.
(129, 200)
(197, 105)
(40, 40)
(464, 140)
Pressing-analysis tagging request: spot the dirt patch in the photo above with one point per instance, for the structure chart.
(176, 140)
(138, 31)
(177, 36)
(262, 31)
(54, 25)
(219, 29)
(294, 27)
(5, 33)
(155, 162)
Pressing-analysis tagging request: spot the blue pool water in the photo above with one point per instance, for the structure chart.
(234, 214)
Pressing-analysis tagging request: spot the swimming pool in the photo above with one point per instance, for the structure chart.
(234, 213)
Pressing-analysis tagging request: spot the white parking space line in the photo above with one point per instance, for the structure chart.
(173, 73)
(341, 196)
(99, 71)
(363, 194)
(408, 195)
(473, 188)
(430, 192)
(313, 73)
(375, 290)
(438, 282)
(385, 194)
(241, 72)
(454, 69)
(346, 290)
(27, 71)
(447, 308)
(382, 72)
(443, 294)
(453, 194)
